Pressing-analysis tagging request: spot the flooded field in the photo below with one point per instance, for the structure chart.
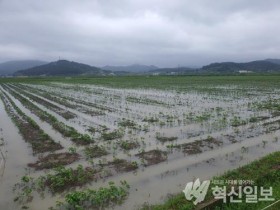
(66, 145)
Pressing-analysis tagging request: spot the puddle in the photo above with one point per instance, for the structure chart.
(17, 156)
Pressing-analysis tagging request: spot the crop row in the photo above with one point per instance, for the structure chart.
(64, 113)
(65, 130)
(63, 100)
(31, 132)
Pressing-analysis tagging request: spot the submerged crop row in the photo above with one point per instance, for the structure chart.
(64, 113)
(63, 100)
(31, 132)
(67, 131)
(143, 135)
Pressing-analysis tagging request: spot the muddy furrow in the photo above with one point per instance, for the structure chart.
(62, 112)
(52, 96)
(66, 131)
(32, 133)
(91, 119)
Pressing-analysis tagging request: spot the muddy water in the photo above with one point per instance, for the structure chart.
(153, 183)
(80, 115)
(152, 187)
(65, 142)
(17, 156)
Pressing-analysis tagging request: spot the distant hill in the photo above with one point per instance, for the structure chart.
(136, 68)
(261, 66)
(171, 71)
(71, 68)
(62, 68)
(10, 67)
(277, 61)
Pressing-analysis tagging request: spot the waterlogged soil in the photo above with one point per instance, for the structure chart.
(55, 160)
(155, 140)
(64, 113)
(199, 146)
(39, 141)
(153, 157)
(17, 155)
(123, 165)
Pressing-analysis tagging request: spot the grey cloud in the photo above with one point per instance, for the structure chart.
(120, 32)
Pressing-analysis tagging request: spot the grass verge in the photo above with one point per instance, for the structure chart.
(264, 173)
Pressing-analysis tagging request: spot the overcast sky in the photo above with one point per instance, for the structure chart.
(153, 32)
